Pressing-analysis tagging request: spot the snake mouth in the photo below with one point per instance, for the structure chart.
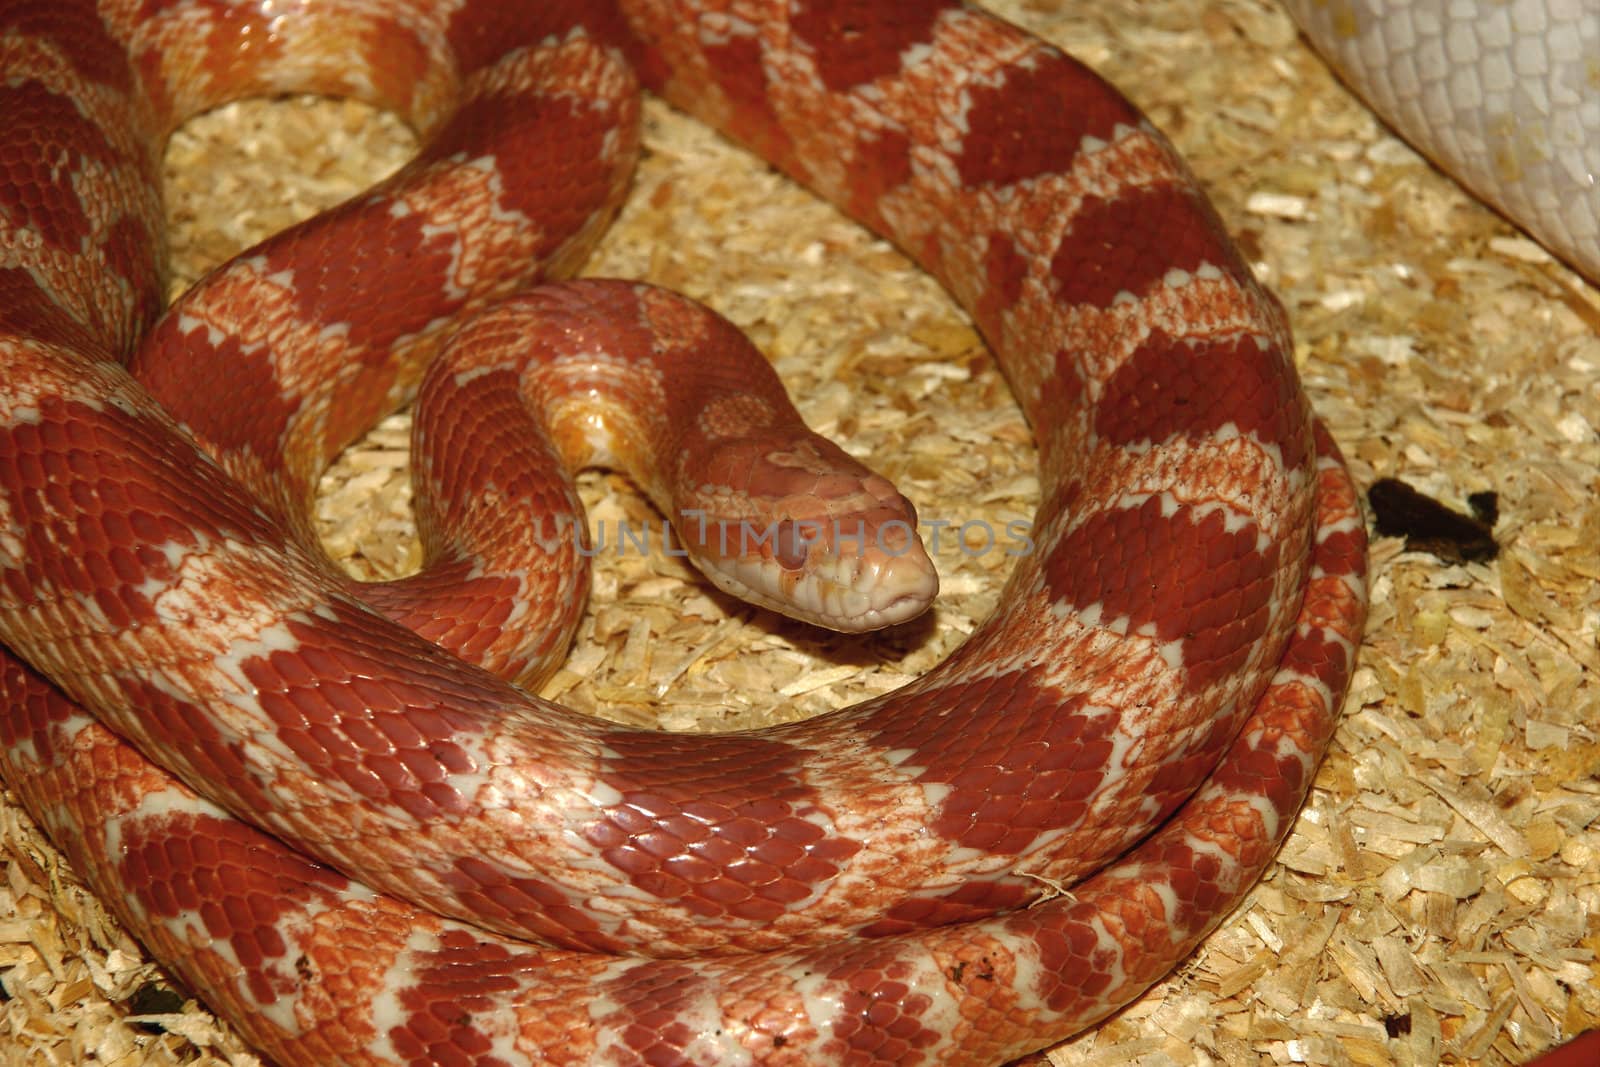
(904, 587)
(846, 592)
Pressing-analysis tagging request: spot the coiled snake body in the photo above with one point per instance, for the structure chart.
(1154, 693)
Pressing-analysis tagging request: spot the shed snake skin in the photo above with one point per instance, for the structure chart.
(541, 974)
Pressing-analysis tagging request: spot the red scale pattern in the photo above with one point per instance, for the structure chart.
(853, 43)
(880, 163)
(1192, 580)
(480, 34)
(449, 987)
(338, 277)
(391, 739)
(181, 865)
(884, 1011)
(681, 832)
(37, 178)
(190, 358)
(123, 245)
(27, 309)
(36, 712)
(449, 606)
(1013, 137)
(736, 65)
(970, 902)
(492, 896)
(1005, 268)
(378, 272)
(1035, 766)
(1175, 781)
(482, 509)
(84, 476)
(650, 1017)
(1131, 242)
(77, 35)
(722, 828)
(41, 188)
(206, 753)
(1142, 410)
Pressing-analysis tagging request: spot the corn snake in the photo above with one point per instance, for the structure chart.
(1339, 560)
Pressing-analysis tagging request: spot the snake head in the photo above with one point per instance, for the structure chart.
(812, 534)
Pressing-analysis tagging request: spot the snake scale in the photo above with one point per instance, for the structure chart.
(1153, 370)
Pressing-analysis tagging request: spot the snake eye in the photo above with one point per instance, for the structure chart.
(792, 545)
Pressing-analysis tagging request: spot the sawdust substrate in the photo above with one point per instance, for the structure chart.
(1439, 900)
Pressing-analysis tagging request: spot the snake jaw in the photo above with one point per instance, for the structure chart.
(901, 587)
